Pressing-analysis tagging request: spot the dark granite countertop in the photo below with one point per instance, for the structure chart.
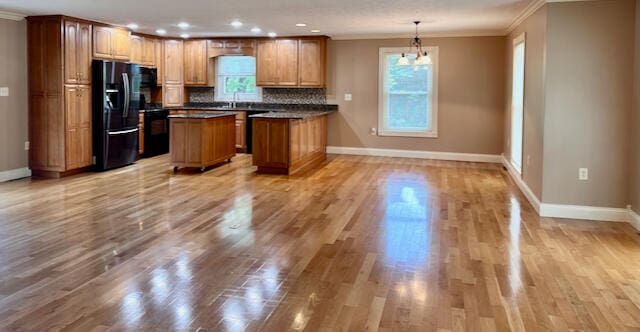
(201, 115)
(266, 107)
(289, 114)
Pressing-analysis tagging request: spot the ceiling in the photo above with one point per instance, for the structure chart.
(335, 18)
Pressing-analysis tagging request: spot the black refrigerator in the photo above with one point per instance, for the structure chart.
(116, 101)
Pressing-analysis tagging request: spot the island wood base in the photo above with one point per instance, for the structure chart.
(202, 142)
(289, 146)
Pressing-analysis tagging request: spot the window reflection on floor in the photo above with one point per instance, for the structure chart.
(406, 223)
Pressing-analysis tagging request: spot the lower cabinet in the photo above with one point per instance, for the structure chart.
(201, 141)
(78, 138)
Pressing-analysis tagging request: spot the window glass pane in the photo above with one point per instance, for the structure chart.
(236, 65)
(240, 84)
(407, 95)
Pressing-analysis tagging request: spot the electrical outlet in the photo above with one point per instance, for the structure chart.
(4, 91)
(373, 131)
(26, 145)
(348, 97)
(583, 174)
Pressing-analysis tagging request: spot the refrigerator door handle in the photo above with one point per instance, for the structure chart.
(127, 95)
(122, 131)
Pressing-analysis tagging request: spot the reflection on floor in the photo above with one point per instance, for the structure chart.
(362, 243)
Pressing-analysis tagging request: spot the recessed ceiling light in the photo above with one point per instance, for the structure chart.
(256, 30)
(183, 25)
(236, 24)
(184, 35)
(301, 24)
(132, 26)
(272, 34)
(315, 31)
(161, 31)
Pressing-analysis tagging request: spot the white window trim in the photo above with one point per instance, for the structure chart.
(219, 94)
(520, 39)
(433, 132)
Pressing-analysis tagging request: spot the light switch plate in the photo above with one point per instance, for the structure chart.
(348, 97)
(4, 91)
(583, 174)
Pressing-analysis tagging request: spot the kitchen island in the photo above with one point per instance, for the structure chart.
(289, 142)
(201, 139)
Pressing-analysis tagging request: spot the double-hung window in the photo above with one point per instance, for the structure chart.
(236, 77)
(408, 95)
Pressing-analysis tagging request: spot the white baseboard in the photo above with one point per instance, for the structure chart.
(531, 197)
(584, 212)
(452, 156)
(14, 174)
(634, 219)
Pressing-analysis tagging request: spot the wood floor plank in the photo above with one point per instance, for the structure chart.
(360, 243)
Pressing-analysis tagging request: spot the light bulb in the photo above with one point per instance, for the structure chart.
(403, 61)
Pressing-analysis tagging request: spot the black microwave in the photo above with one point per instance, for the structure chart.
(149, 77)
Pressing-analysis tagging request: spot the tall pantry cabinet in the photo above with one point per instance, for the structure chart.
(59, 59)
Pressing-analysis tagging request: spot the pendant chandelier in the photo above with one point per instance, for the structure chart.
(415, 45)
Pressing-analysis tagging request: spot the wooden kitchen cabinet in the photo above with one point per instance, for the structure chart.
(217, 47)
(78, 138)
(195, 63)
(277, 63)
(77, 52)
(288, 146)
(312, 62)
(173, 69)
(143, 51)
(201, 141)
(59, 95)
(158, 56)
(291, 62)
(111, 43)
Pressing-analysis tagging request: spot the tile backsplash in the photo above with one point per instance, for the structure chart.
(269, 95)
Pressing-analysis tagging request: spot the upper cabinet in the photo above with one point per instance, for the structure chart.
(77, 52)
(142, 51)
(158, 57)
(291, 62)
(111, 43)
(312, 62)
(173, 69)
(195, 62)
(219, 47)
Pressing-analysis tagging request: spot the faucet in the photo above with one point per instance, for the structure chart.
(235, 97)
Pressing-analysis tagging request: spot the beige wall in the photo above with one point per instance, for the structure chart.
(588, 101)
(634, 190)
(534, 28)
(13, 109)
(471, 95)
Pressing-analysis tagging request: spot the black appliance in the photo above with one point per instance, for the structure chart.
(249, 129)
(116, 101)
(148, 77)
(156, 132)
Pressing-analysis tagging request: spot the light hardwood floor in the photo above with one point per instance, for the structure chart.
(363, 243)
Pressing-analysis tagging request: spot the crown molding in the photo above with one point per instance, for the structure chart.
(528, 11)
(429, 35)
(11, 16)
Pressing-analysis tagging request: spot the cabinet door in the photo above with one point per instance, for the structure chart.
(84, 126)
(195, 62)
(72, 132)
(311, 61)
(241, 135)
(159, 59)
(148, 52)
(173, 62)
(102, 42)
(266, 73)
(172, 95)
(121, 44)
(287, 62)
(136, 50)
(71, 70)
(84, 53)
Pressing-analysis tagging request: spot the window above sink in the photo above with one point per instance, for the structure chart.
(236, 78)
